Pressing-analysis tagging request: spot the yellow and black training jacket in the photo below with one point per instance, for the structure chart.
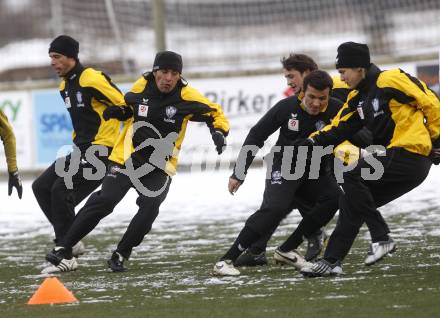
(163, 118)
(349, 151)
(398, 109)
(8, 139)
(86, 93)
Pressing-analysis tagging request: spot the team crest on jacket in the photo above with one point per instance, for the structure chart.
(319, 125)
(143, 110)
(376, 105)
(360, 110)
(79, 99)
(113, 171)
(293, 123)
(170, 111)
(276, 177)
(67, 102)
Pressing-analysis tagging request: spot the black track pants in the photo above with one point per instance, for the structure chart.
(403, 171)
(57, 202)
(101, 203)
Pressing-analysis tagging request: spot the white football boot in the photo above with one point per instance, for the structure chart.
(225, 268)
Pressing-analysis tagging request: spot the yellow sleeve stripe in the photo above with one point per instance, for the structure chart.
(417, 95)
(219, 119)
(139, 85)
(96, 80)
(337, 119)
(124, 145)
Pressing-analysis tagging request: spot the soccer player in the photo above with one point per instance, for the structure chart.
(295, 118)
(8, 139)
(403, 115)
(86, 93)
(296, 67)
(163, 103)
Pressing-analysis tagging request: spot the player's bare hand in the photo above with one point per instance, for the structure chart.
(233, 185)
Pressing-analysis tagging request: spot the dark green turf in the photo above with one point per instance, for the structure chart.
(170, 277)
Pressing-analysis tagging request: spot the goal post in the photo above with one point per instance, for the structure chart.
(225, 35)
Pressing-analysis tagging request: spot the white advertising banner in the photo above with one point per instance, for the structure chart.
(244, 100)
(42, 125)
(18, 106)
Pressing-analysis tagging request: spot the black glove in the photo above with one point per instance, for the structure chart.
(435, 152)
(219, 140)
(120, 113)
(303, 142)
(15, 182)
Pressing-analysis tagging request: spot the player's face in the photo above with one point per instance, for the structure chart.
(166, 80)
(351, 76)
(315, 100)
(61, 64)
(295, 79)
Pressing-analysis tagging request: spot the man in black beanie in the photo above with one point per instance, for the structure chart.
(352, 62)
(66, 46)
(86, 93)
(403, 115)
(162, 104)
(168, 60)
(351, 54)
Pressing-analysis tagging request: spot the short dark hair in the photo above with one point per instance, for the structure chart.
(299, 62)
(319, 80)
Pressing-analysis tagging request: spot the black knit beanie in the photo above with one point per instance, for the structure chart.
(66, 46)
(351, 54)
(168, 60)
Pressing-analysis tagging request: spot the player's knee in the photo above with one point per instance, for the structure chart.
(148, 203)
(352, 177)
(38, 186)
(262, 220)
(331, 201)
(104, 201)
(58, 190)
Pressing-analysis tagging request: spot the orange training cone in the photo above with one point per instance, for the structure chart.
(52, 291)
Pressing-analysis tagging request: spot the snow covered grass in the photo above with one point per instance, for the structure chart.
(170, 272)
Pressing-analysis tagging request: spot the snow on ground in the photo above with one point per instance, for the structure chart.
(202, 197)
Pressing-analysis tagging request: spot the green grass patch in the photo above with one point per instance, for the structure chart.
(170, 276)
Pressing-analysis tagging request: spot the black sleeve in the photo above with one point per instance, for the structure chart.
(259, 133)
(133, 98)
(342, 128)
(340, 93)
(209, 121)
(363, 138)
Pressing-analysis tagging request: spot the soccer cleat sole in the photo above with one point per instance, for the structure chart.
(56, 269)
(311, 275)
(214, 273)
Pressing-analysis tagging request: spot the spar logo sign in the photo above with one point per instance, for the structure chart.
(55, 123)
(53, 126)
